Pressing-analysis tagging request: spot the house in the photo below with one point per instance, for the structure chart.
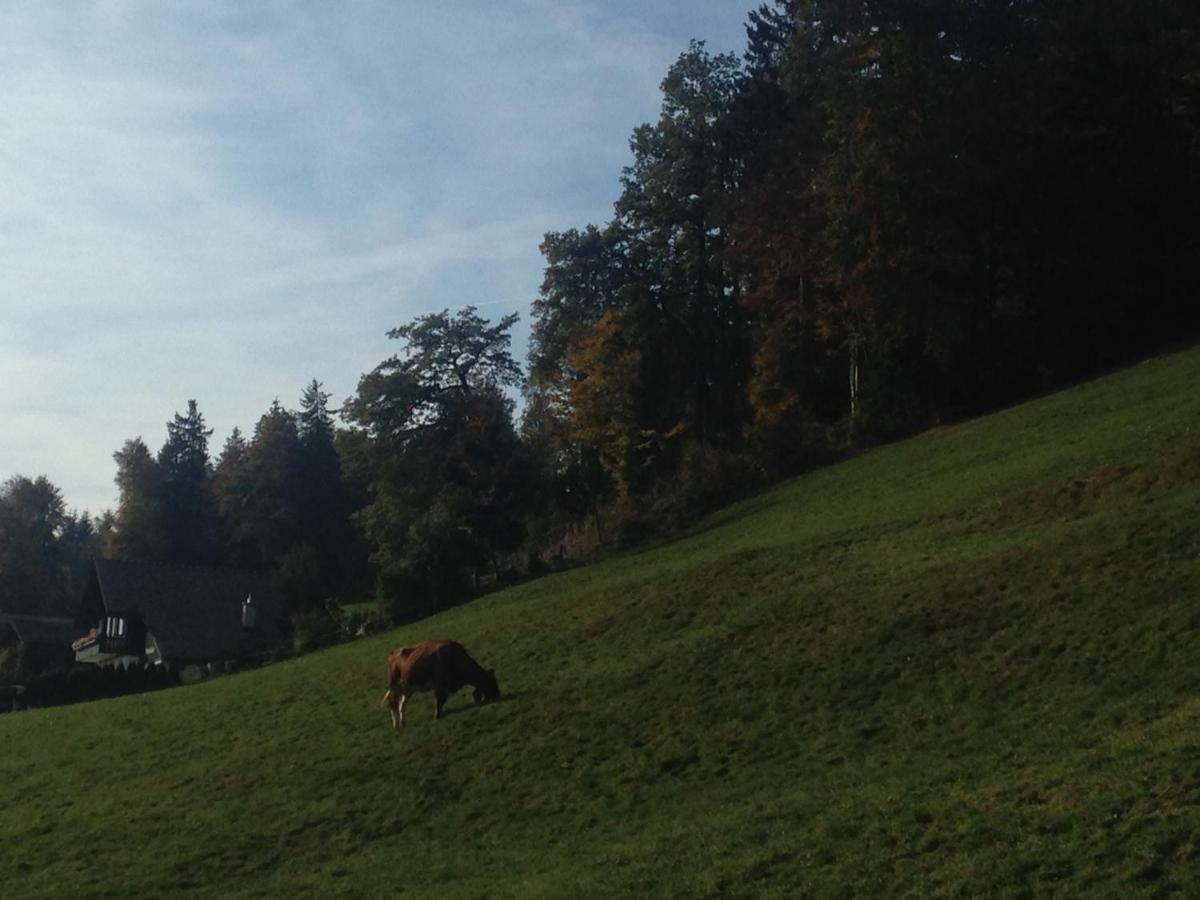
(182, 616)
(31, 643)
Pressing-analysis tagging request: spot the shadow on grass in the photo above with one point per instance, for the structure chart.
(467, 704)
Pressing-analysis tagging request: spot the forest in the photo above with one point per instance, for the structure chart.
(881, 217)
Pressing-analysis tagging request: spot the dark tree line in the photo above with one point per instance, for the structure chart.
(885, 215)
(276, 501)
(881, 216)
(43, 549)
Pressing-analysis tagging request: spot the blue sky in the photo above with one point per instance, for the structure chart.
(224, 200)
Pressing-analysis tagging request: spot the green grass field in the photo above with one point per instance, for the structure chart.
(967, 664)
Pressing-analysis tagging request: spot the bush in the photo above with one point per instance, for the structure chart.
(362, 621)
(796, 442)
(706, 479)
(316, 627)
(79, 684)
(299, 576)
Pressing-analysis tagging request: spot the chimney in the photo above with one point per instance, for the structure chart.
(249, 613)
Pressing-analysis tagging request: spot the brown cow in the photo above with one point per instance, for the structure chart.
(439, 666)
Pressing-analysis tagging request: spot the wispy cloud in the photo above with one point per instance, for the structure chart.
(223, 200)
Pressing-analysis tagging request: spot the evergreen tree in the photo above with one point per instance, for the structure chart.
(639, 343)
(325, 505)
(271, 517)
(140, 528)
(672, 209)
(79, 544)
(106, 531)
(797, 376)
(314, 422)
(190, 508)
(232, 490)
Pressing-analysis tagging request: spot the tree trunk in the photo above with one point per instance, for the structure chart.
(854, 373)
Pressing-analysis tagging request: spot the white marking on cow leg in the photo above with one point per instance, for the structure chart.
(400, 710)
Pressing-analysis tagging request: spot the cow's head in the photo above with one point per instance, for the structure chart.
(487, 689)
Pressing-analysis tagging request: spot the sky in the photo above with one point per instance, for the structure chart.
(221, 201)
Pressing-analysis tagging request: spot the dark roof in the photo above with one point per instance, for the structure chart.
(193, 613)
(52, 630)
(52, 605)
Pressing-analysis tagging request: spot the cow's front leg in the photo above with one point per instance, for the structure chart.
(439, 700)
(400, 711)
(391, 700)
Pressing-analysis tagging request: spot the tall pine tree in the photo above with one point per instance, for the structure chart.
(189, 505)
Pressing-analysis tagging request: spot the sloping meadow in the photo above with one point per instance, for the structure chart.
(964, 664)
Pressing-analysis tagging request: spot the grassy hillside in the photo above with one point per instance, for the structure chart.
(965, 664)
